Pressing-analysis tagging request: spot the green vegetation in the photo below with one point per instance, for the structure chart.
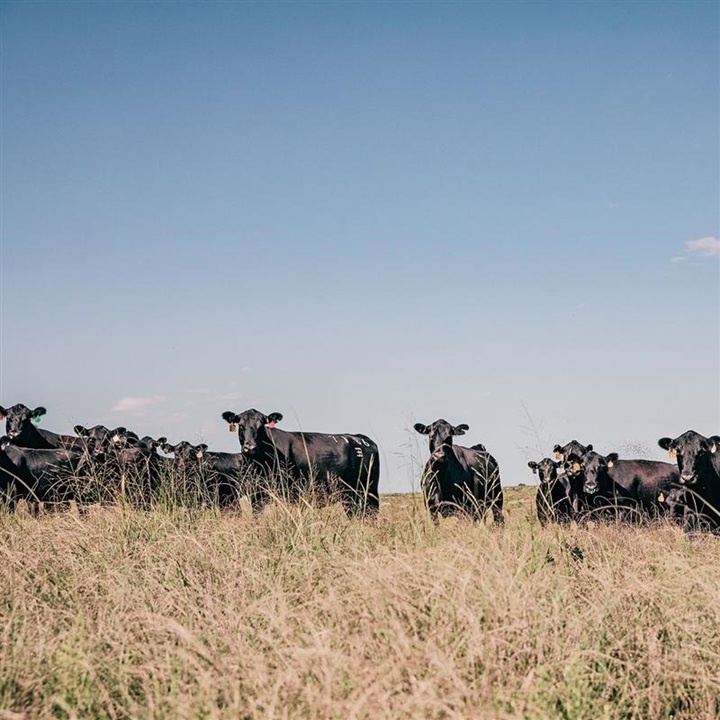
(299, 612)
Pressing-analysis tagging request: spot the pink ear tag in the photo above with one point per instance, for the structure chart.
(199, 454)
(272, 424)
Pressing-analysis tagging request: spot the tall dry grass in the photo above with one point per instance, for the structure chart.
(302, 613)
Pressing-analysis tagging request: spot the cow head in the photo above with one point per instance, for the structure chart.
(693, 453)
(595, 467)
(100, 439)
(440, 434)
(19, 417)
(575, 450)
(186, 454)
(546, 469)
(251, 427)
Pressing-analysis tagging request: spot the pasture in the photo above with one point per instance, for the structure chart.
(301, 613)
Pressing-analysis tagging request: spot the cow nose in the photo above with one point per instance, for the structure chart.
(686, 479)
(248, 447)
(590, 488)
(12, 434)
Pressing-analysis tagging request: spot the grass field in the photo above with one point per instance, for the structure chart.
(300, 613)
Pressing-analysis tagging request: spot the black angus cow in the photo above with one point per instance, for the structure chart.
(39, 475)
(457, 479)
(624, 489)
(699, 476)
(123, 465)
(221, 476)
(573, 472)
(552, 501)
(19, 427)
(341, 466)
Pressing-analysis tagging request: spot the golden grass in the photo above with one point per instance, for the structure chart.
(301, 613)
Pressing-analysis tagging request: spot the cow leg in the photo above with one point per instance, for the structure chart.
(258, 500)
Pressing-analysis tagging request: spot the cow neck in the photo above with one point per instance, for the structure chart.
(30, 437)
(272, 442)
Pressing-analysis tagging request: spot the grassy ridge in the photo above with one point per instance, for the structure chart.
(302, 613)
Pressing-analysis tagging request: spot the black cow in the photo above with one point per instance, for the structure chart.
(573, 471)
(457, 479)
(20, 429)
(699, 474)
(628, 489)
(221, 475)
(123, 466)
(344, 467)
(552, 501)
(39, 475)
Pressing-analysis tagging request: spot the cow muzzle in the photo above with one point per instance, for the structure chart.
(590, 488)
(688, 479)
(249, 449)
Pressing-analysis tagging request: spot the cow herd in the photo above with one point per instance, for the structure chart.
(584, 484)
(100, 464)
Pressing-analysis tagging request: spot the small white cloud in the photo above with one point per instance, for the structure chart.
(136, 404)
(678, 258)
(707, 246)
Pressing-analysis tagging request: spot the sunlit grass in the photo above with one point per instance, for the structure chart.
(300, 612)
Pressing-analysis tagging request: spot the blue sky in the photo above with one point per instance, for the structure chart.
(364, 215)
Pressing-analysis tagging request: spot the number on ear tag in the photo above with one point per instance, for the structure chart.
(36, 420)
(232, 427)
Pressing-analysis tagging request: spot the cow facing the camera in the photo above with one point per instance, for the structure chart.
(459, 480)
(344, 467)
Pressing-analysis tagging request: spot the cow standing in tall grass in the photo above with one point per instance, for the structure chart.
(698, 464)
(457, 479)
(344, 467)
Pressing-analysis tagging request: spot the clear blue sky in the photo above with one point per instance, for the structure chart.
(364, 215)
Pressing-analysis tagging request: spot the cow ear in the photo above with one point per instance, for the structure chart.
(612, 458)
(422, 429)
(3, 413)
(4, 442)
(80, 430)
(588, 448)
(38, 412)
(166, 447)
(274, 417)
(202, 447)
(229, 417)
(533, 466)
(461, 429)
(666, 443)
(714, 443)
(557, 450)
(161, 440)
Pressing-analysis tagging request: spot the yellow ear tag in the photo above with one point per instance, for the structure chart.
(661, 497)
(232, 427)
(672, 452)
(558, 456)
(576, 467)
